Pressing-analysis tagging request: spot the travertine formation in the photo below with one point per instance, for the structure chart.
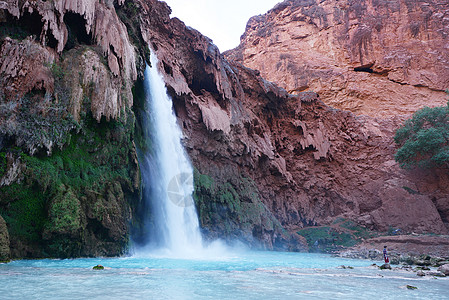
(56, 21)
(69, 176)
(24, 66)
(374, 57)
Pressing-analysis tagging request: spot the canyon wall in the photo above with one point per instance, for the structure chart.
(267, 163)
(311, 164)
(372, 57)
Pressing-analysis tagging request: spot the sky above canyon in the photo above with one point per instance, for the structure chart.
(222, 21)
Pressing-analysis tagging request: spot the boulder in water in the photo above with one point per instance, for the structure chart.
(345, 267)
(385, 267)
(421, 273)
(411, 287)
(444, 269)
(437, 274)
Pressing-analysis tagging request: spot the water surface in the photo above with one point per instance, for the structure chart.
(238, 275)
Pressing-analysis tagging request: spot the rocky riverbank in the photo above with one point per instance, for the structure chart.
(426, 255)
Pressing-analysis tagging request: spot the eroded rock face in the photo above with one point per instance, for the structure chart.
(55, 24)
(69, 174)
(24, 66)
(311, 163)
(378, 58)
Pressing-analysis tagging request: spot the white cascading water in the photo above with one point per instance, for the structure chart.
(169, 174)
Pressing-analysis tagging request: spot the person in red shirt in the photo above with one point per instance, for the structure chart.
(387, 260)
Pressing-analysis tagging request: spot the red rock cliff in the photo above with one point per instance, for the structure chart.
(373, 57)
(311, 163)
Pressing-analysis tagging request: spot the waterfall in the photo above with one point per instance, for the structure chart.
(167, 174)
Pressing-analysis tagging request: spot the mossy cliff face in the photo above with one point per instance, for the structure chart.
(4, 241)
(233, 211)
(69, 177)
(78, 201)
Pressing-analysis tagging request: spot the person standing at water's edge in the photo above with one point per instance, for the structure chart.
(387, 260)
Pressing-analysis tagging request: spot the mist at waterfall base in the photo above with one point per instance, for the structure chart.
(167, 176)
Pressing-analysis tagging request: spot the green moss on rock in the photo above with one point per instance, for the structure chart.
(3, 164)
(76, 202)
(98, 267)
(4, 241)
(23, 208)
(64, 213)
(341, 234)
(233, 210)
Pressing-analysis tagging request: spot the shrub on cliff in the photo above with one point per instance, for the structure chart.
(424, 139)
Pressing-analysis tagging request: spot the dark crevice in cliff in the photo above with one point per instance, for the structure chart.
(29, 24)
(76, 27)
(365, 68)
(203, 82)
(140, 209)
(167, 68)
(368, 68)
(384, 73)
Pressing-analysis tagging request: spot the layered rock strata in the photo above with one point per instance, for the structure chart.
(377, 58)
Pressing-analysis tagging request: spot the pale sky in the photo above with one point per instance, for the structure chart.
(223, 21)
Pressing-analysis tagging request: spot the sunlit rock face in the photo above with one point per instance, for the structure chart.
(378, 58)
(311, 163)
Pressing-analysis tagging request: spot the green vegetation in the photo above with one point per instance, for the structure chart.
(64, 212)
(25, 214)
(233, 208)
(424, 139)
(342, 233)
(129, 15)
(221, 201)
(77, 179)
(48, 204)
(39, 119)
(98, 267)
(326, 239)
(3, 163)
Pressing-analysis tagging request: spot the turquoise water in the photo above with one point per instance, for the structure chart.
(240, 275)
